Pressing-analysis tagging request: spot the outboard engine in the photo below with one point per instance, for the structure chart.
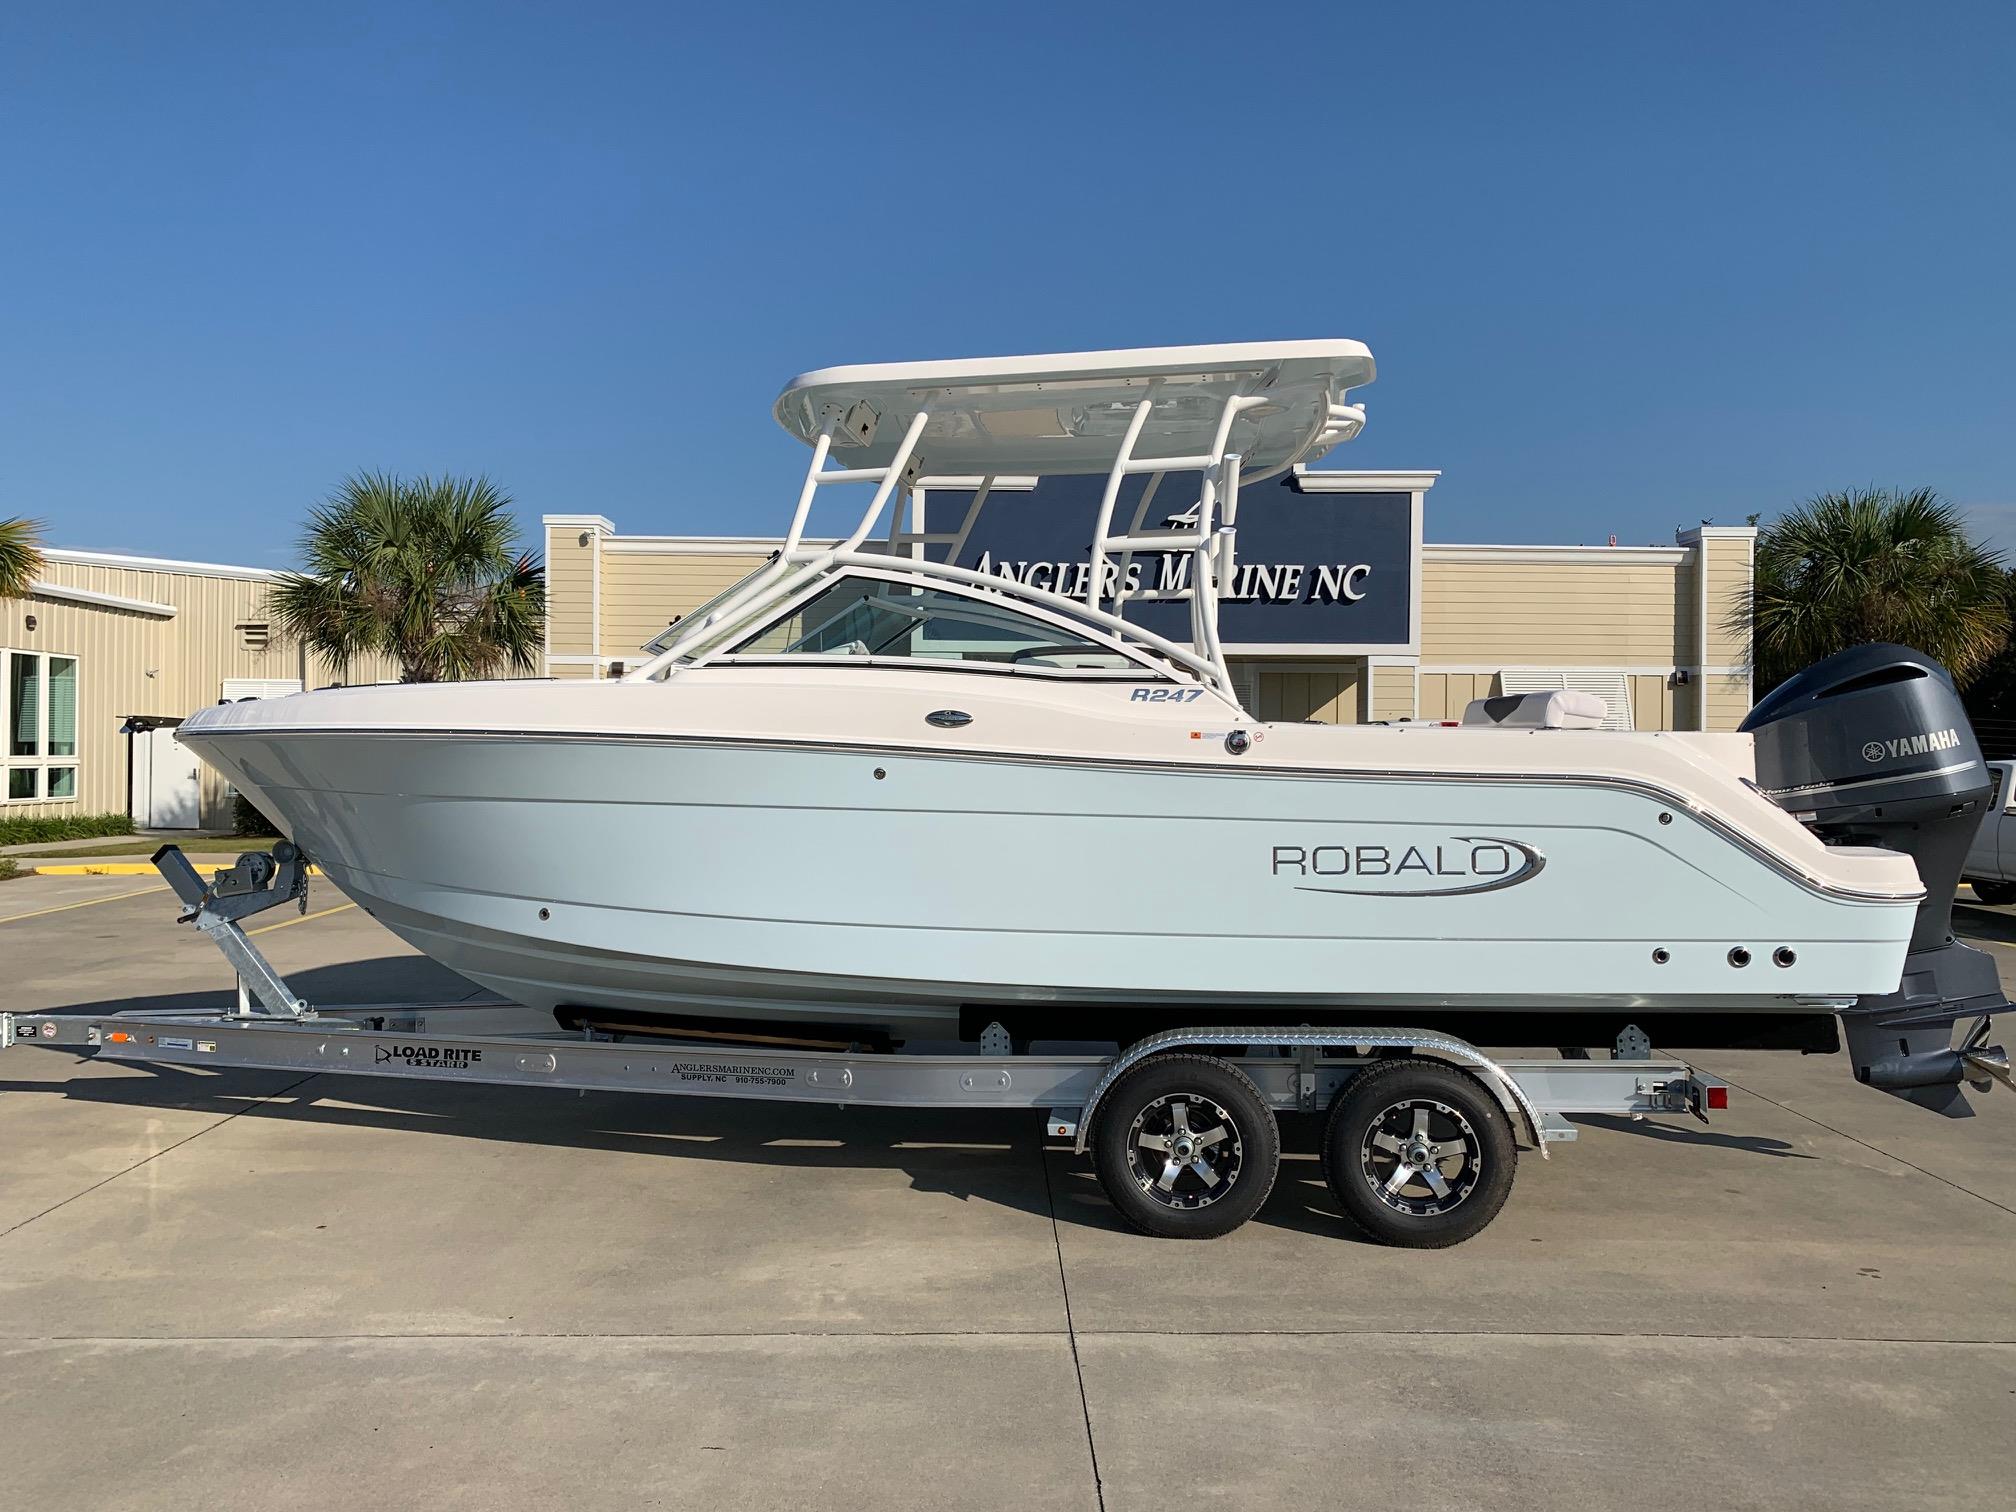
(1873, 747)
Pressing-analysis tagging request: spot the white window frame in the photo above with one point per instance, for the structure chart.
(43, 763)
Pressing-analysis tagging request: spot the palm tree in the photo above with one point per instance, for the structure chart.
(425, 570)
(1991, 693)
(20, 556)
(1875, 565)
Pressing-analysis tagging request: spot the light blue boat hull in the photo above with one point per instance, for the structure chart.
(775, 882)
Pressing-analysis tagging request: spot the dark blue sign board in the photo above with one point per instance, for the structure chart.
(1323, 568)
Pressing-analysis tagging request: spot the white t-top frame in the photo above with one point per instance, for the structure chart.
(1226, 413)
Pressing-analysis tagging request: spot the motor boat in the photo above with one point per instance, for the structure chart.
(868, 793)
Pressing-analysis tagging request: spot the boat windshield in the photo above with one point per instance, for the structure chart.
(876, 617)
(696, 616)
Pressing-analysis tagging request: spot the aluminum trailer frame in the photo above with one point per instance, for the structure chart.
(419, 1043)
(274, 1029)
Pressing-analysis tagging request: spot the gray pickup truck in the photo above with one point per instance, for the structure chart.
(1991, 859)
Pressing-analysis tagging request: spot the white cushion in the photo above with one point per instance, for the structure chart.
(1562, 710)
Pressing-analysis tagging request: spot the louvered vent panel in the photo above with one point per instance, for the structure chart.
(1614, 688)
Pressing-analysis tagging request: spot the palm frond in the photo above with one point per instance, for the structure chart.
(1873, 565)
(20, 556)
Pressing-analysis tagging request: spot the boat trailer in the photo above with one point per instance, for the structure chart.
(1419, 1146)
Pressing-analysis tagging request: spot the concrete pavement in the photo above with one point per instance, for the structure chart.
(228, 1289)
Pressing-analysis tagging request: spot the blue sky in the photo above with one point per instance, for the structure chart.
(1623, 267)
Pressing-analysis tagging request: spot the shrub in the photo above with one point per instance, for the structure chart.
(9, 868)
(246, 819)
(29, 830)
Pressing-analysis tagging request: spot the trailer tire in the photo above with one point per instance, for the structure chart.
(1993, 893)
(1177, 1105)
(1406, 1109)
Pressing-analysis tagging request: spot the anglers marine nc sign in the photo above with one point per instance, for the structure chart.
(1308, 568)
(1270, 582)
(1382, 866)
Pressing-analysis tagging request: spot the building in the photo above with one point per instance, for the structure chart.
(106, 654)
(1339, 613)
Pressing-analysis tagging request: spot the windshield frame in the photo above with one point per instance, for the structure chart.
(1143, 663)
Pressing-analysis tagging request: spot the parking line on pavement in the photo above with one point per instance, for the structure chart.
(304, 919)
(37, 913)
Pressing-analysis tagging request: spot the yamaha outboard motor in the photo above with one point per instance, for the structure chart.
(1872, 747)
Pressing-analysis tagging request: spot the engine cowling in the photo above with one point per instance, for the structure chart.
(1873, 747)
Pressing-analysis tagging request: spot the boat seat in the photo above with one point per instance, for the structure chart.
(1568, 709)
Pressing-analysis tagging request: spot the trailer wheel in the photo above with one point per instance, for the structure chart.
(1186, 1147)
(1419, 1154)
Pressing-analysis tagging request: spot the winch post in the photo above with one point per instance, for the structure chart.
(256, 882)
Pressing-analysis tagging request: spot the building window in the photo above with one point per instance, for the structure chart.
(40, 753)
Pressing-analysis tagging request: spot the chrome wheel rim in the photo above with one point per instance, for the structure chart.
(1184, 1151)
(1421, 1157)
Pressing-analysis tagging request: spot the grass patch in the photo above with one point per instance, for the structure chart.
(9, 868)
(227, 845)
(27, 830)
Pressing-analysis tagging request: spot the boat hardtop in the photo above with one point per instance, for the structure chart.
(1065, 412)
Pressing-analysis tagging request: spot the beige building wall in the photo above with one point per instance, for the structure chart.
(1731, 566)
(1582, 609)
(1726, 679)
(1445, 695)
(608, 595)
(188, 629)
(1723, 688)
(1392, 695)
(1324, 694)
(573, 588)
(645, 591)
(115, 650)
(1669, 620)
(1652, 703)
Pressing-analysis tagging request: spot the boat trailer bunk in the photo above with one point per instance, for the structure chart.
(1419, 1147)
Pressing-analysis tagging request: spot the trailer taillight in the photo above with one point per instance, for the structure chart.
(1718, 1097)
